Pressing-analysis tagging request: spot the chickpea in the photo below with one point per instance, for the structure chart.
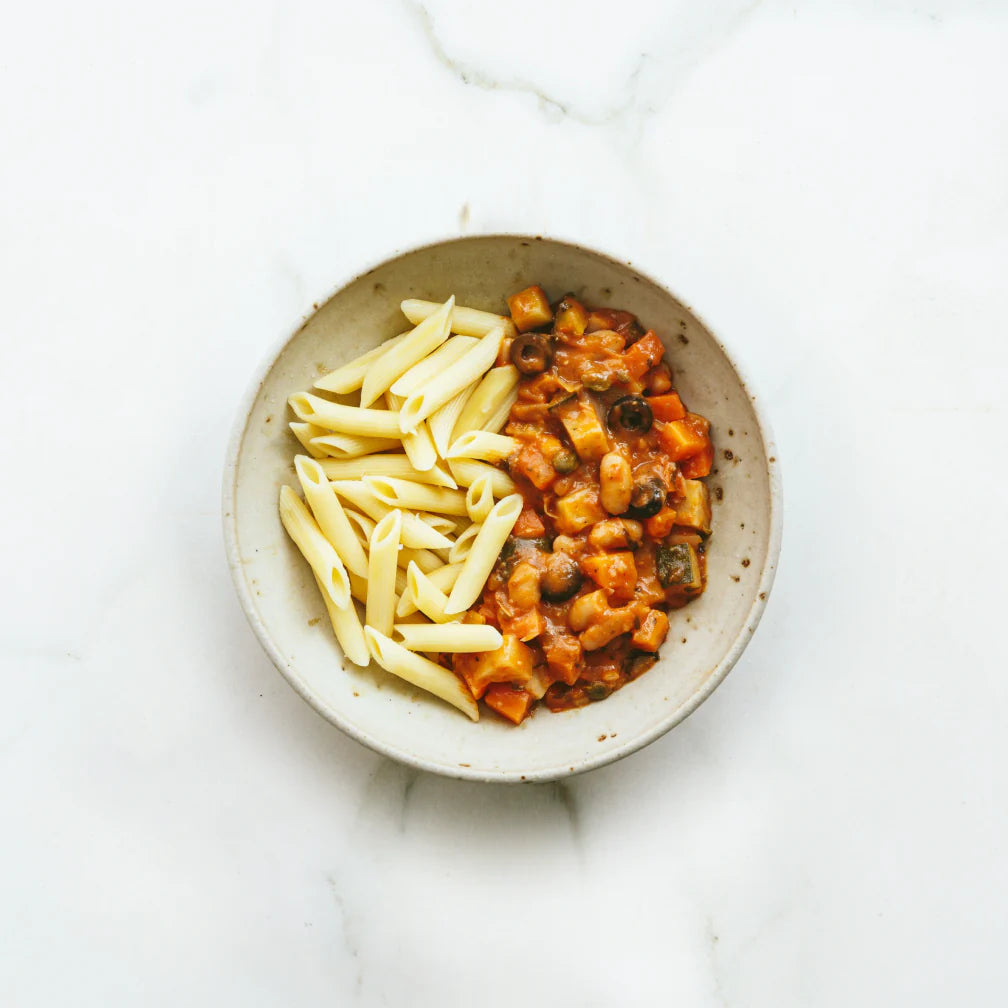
(586, 609)
(523, 586)
(615, 483)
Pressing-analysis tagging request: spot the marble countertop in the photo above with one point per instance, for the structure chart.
(827, 184)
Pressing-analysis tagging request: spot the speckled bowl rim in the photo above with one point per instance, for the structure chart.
(711, 682)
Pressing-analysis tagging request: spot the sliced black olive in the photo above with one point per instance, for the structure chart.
(647, 497)
(565, 461)
(561, 579)
(632, 413)
(516, 549)
(531, 353)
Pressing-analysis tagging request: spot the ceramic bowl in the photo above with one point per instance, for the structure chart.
(281, 600)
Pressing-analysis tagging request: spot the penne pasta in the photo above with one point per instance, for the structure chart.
(430, 367)
(345, 419)
(442, 579)
(441, 522)
(304, 432)
(346, 625)
(484, 553)
(381, 598)
(314, 547)
(443, 422)
(481, 444)
(463, 544)
(413, 347)
(386, 465)
(489, 405)
(347, 446)
(328, 512)
(449, 383)
(467, 471)
(423, 558)
(449, 638)
(415, 533)
(362, 527)
(349, 377)
(424, 595)
(359, 585)
(465, 321)
(421, 672)
(417, 496)
(417, 443)
(479, 498)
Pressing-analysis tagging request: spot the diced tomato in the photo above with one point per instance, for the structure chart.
(659, 525)
(700, 464)
(508, 701)
(532, 464)
(529, 525)
(667, 407)
(643, 355)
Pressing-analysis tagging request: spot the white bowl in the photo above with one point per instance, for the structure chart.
(280, 597)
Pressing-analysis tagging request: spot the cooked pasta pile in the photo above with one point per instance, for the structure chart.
(404, 509)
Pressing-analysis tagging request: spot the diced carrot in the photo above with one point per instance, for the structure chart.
(659, 525)
(508, 701)
(530, 308)
(643, 355)
(532, 464)
(700, 464)
(683, 439)
(667, 407)
(652, 632)
(615, 572)
(529, 525)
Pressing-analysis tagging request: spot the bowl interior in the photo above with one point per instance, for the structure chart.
(280, 596)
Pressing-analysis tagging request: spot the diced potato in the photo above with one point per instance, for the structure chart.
(694, 510)
(615, 572)
(583, 427)
(571, 316)
(578, 510)
(530, 308)
(652, 632)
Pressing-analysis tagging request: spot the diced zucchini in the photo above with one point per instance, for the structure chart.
(678, 567)
(694, 510)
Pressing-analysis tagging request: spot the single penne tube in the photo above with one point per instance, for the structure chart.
(424, 595)
(449, 638)
(442, 423)
(359, 586)
(413, 347)
(362, 527)
(386, 465)
(498, 390)
(304, 432)
(402, 493)
(463, 544)
(465, 321)
(479, 498)
(349, 377)
(314, 546)
(347, 446)
(443, 579)
(467, 471)
(345, 419)
(417, 443)
(328, 512)
(484, 445)
(346, 624)
(484, 553)
(415, 533)
(381, 598)
(430, 367)
(421, 672)
(469, 368)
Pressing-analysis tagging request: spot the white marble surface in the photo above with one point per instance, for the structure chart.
(826, 182)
